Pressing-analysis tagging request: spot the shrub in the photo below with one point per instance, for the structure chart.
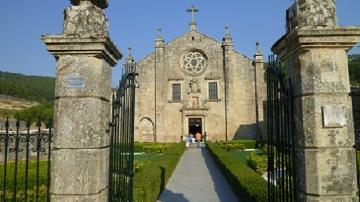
(265, 148)
(257, 162)
(153, 148)
(139, 165)
(149, 182)
(245, 182)
(249, 144)
(237, 144)
(230, 147)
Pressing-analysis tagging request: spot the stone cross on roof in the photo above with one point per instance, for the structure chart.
(192, 10)
(159, 33)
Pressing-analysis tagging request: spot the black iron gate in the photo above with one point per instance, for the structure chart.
(122, 138)
(25, 157)
(281, 138)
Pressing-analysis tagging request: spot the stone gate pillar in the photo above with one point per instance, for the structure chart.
(314, 52)
(85, 55)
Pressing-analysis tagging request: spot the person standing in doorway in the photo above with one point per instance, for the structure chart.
(198, 138)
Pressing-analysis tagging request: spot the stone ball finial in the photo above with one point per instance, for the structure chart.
(103, 4)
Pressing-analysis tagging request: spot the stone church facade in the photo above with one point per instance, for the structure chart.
(198, 84)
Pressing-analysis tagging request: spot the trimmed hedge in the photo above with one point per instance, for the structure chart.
(149, 182)
(152, 148)
(246, 144)
(245, 182)
(257, 162)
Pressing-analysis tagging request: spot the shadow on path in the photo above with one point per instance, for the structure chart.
(217, 177)
(175, 197)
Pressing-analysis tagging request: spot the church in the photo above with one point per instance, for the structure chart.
(195, 83)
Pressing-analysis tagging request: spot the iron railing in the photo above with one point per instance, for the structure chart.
(281, 139)
(25, 157)
(122, 138)
(357, 156)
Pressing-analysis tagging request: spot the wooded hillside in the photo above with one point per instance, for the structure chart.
(35, 88)
(354, 69)
(26, 98)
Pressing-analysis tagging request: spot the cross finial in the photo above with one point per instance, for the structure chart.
(159, 32)
(258, 48)
(227, 33)
(192, 10)
(227, 29)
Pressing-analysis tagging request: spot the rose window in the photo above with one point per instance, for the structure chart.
(194, 62)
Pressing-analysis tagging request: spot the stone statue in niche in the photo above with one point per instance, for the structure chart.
(85, 20)
(194, 86)
(194, 95)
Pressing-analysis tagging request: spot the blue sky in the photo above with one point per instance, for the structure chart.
(134, 23)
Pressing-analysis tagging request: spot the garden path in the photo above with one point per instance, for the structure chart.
(197, 179)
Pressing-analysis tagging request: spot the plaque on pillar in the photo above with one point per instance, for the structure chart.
(333, 116)
(99, 3)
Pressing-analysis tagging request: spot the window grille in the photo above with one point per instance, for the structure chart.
(213, 91)
(176, 92)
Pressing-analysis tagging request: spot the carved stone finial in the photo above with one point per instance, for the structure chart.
(130, 58)
(227, 32)
(85, 20)
(258, 48)
(159, 41)
(316, 13)
(99, 3)
(159, 33)
(130, 65)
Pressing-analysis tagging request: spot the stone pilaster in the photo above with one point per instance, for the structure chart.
(228, 48)
(260, 90)
(85, 56)
(315, 57)
(160, 86)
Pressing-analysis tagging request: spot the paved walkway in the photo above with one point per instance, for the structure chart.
(197, 179)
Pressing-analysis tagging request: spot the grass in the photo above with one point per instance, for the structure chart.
(21, 179)
(147, 157)
(148, 182)
(358, 162)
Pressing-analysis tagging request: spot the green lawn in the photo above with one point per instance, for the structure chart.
(154, 171)
(21, 180)
(358, 162)
(147, 157)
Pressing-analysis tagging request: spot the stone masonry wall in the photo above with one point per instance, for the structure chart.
(170, 120)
